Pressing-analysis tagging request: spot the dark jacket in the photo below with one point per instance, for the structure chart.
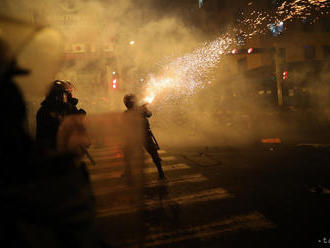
(144, 113)
(49, 118)
(44, 202)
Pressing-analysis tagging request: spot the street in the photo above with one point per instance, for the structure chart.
(261, 196)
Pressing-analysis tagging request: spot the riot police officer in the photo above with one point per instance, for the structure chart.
(150, 142)
(57, 104)
(45, 201)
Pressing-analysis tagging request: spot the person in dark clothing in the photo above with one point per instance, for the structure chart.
(45, 201)
(150, 142)
(14, 142)
(58, 104)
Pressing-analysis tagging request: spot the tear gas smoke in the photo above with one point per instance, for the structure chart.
(177, 66)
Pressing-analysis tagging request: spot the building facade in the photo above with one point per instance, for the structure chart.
(286, 63)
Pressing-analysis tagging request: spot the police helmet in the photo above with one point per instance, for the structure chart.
(65, 85)
(57, 89)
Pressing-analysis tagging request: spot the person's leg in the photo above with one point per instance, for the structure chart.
(152, 150)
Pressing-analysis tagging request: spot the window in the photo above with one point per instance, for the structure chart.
(307, 24)
(326, 25)
(308, 27)
(309, 52)
(291, 92)
(326, 51)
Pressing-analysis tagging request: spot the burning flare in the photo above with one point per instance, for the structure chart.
(149, 98)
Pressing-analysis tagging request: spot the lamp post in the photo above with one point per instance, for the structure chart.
(278, 65)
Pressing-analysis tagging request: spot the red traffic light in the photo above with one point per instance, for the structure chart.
(234, 51)
(285, 75)
(250, 50)
(114, 83)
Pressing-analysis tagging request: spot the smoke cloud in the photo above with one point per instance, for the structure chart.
(136, 39)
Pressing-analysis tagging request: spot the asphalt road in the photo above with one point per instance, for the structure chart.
(261, 196)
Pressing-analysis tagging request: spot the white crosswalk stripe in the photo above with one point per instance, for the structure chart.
(191, 178)
(170, 167)
(194, 178)
(117, 174)
(251, 221)
(167, 158)
(179, 175)
(118, 157)
(109, 150)
(206, 195)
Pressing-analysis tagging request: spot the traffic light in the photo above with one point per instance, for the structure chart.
(285, 75)
(114, 80)
(250, 50)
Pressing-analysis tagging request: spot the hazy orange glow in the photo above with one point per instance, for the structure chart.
(272, 141)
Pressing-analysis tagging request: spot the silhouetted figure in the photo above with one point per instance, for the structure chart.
(150, 142)
(16, 146)
(58, 104)
(45, 201)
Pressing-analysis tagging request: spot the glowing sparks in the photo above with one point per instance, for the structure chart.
(189, 72)
(260, 21)
(185, 74)
(149, 99)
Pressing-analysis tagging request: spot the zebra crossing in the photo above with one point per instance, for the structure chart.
(108, 183)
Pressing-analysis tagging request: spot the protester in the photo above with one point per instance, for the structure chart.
(150, 142)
